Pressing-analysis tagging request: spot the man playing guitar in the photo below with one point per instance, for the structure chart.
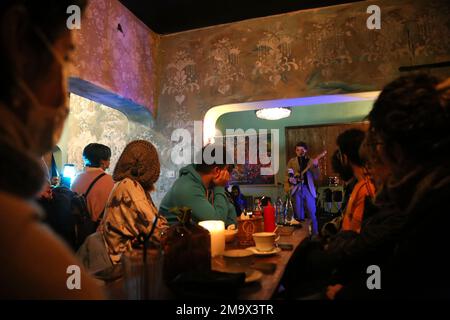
(299, 182)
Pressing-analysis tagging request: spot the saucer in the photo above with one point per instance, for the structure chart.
(263, 253)
(252, 276)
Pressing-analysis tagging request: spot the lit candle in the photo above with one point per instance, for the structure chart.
(216, 229)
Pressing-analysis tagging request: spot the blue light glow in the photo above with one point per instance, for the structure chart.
(69, 171)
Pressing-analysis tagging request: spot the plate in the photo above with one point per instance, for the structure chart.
(260, 253)
(252, 276)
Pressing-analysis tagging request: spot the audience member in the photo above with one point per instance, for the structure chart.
(35, 47)
(96, 159)
(201, 188)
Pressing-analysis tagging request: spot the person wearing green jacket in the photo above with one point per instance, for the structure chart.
(201, 188)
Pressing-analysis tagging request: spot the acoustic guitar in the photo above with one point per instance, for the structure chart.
(300, 178)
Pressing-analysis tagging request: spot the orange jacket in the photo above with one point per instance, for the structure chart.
(354, 212)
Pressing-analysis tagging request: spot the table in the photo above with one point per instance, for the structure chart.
(264, 289)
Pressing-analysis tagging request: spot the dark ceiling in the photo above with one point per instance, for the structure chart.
(169, 16)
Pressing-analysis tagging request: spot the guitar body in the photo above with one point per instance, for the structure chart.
(295, 187)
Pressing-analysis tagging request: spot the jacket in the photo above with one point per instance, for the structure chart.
(415, 267)
(189, 191)
(354, 211)
(312, 174)
(129, 213)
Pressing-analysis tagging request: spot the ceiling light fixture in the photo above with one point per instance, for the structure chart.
(273, 113)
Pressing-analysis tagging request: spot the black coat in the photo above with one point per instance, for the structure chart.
(58, 214)
(417, 267)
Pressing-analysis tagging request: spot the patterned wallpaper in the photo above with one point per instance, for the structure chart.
(90, 122)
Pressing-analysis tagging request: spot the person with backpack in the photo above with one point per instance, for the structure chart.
(96, 159)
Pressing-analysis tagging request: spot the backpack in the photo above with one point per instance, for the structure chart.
(83, 223)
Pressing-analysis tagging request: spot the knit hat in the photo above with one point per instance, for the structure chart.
(138, 161)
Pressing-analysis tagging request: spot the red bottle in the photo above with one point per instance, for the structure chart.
(269, 218)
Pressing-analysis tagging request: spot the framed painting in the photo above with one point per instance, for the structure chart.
(247, 170)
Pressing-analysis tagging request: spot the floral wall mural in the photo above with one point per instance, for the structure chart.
(90, 122)
(224, 66)
(275, 58)
(181, 77)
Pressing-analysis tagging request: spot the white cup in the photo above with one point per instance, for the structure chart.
(265, 241)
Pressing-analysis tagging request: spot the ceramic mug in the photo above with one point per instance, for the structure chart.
(265, 241)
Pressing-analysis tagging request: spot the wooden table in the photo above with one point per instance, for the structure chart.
(264, 289)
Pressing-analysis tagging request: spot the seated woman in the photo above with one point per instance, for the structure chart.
(130, 212)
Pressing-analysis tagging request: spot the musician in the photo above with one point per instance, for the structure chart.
(301, 187)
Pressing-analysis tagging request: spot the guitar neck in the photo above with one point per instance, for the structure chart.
(310, 162)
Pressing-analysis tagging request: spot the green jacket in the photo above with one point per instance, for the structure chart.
(189, 191)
